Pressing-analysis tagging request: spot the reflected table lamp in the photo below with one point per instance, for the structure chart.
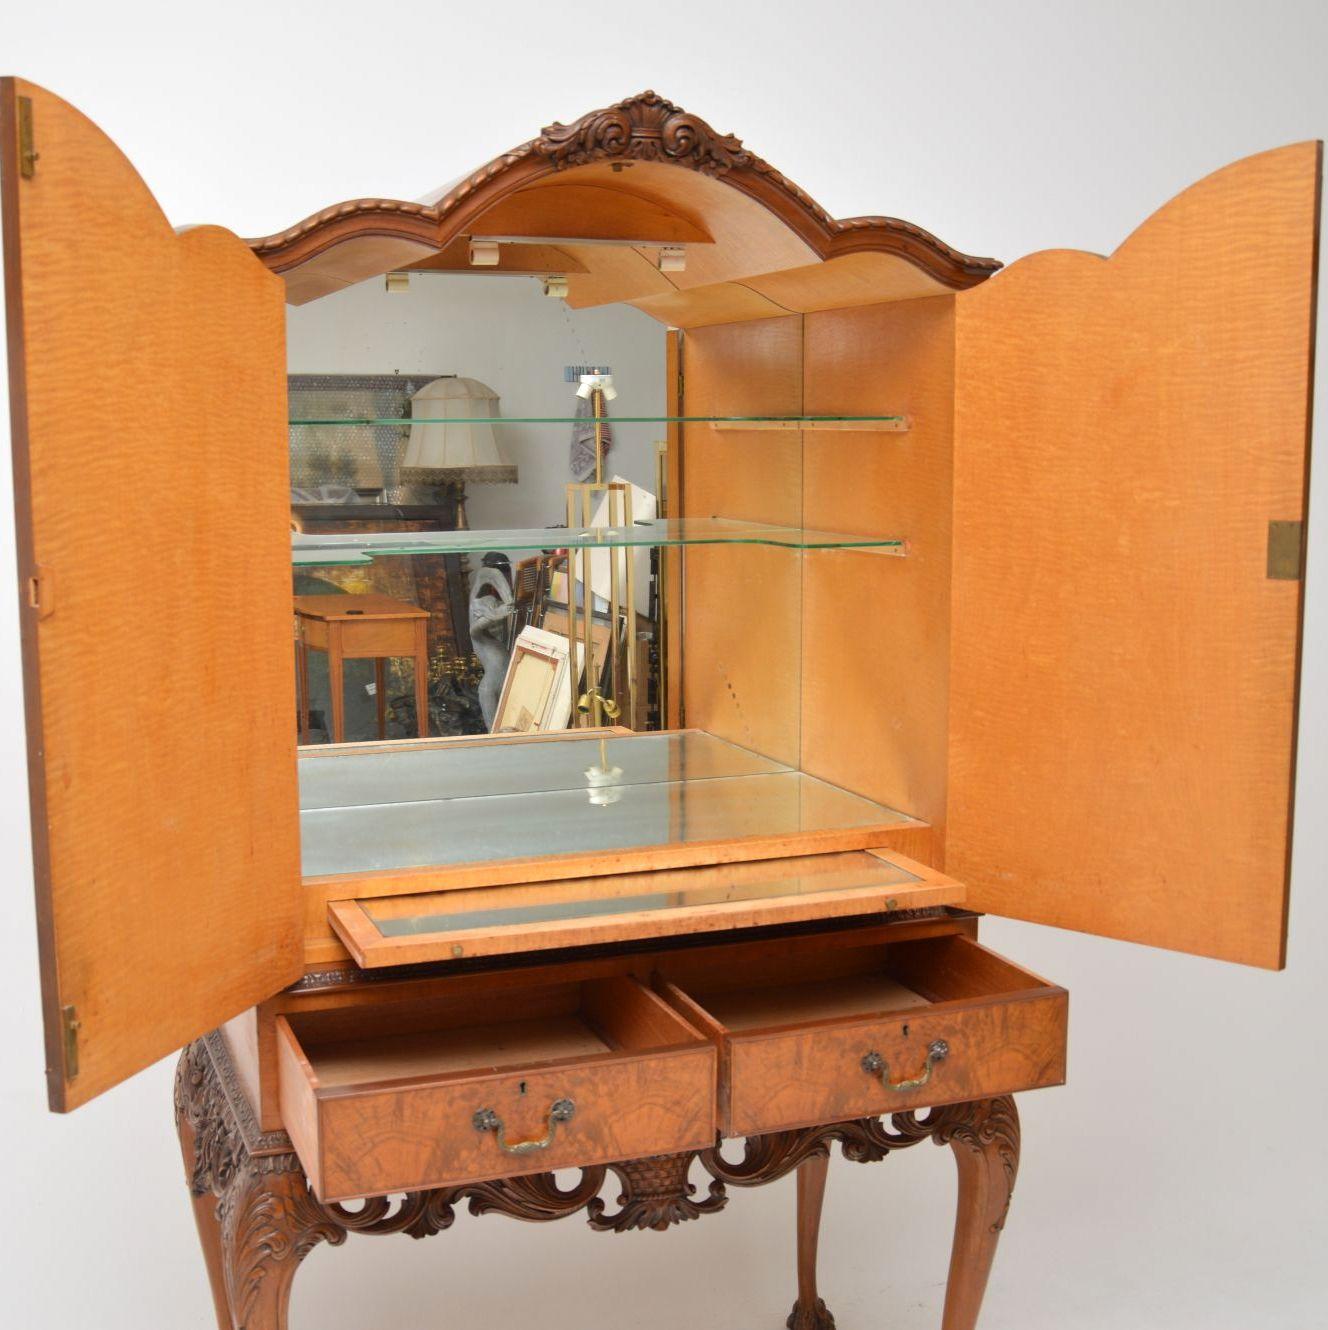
(453, 442)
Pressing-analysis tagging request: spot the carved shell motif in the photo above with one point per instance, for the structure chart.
(645, 128)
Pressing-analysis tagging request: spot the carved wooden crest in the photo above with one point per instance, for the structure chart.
(646, 128)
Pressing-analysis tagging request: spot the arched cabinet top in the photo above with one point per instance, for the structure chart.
(595, 199)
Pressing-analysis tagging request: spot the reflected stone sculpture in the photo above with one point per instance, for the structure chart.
(491, 610)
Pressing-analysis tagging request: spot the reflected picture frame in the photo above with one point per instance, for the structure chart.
(535, 697)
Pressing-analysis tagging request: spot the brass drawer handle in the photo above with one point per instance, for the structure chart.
(561, 1110)
(875, 1065)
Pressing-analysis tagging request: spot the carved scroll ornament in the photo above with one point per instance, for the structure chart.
(268, 1218)
(655, 1193)
(645, 128)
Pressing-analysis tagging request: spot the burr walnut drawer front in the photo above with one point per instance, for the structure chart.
(848, 1032)
(459, 1089)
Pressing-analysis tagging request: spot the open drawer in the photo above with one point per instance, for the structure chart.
(447, 1090)
(810, 1035)
(623, 907)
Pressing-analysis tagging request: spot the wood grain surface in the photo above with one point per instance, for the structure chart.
(793, 1030)
(909, 837)
(681, 170)
(151, 491)
(666, 904)
(876, 632)
(1123, 670)
(366, 1004)
(799, 1077)
(742, 607)
(387, 1116)
(605, 211)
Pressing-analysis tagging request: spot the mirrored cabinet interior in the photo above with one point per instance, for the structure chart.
(549, 676)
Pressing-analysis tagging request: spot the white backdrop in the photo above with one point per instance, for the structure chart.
(1177, 1182)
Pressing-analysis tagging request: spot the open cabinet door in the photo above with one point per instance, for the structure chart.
(147, 377)
(1131, 438)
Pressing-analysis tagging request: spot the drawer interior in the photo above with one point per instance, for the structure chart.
(463, 1035)
(794, 986)
(652, 1052)
(438, 1090)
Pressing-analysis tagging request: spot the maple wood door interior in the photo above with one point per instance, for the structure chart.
(1131, 439)
(152, 501)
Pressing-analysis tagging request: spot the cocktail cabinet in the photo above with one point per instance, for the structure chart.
(898, 589)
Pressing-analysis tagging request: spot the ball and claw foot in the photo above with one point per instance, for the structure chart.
(815, 1317)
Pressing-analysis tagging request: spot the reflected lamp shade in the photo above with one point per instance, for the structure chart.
(455, 440)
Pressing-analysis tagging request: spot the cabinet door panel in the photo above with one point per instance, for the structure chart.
(151, 493)
(1124, 667)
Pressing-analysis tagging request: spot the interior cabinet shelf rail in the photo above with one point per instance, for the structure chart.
(882, 424)
(362, 548)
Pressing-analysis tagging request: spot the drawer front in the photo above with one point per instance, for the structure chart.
(846, 1069)
(371, 1141)
(380, 637)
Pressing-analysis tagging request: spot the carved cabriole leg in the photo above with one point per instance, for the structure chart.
(270, 1222)
(196, 1173)
(984, 1136)
(985, 1139)
(809, 1312)
(257, 1219)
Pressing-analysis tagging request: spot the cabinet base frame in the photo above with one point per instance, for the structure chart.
(258, 1219)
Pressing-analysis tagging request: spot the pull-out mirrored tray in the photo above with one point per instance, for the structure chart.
(592, 911)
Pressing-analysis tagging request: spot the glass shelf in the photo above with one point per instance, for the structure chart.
(458, 803)
(891, 422)
(323, 550)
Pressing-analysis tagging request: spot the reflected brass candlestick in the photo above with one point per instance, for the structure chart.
(662, 585)
(597, 410)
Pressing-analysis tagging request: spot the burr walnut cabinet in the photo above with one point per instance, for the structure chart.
(983, 596)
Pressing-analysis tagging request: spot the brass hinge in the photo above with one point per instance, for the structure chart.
(71, 1025)
(1285, 547)
(27, 152)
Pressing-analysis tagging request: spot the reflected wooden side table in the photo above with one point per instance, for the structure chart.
(360, 627)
